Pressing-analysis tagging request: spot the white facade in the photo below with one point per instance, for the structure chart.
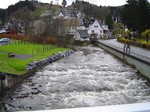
(77, 36)
(60, 15)
(97, 29)
(81, 28)
(3, 31)
(79, 15)
(70, 30)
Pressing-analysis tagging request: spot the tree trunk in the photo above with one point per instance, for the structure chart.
(147, 39)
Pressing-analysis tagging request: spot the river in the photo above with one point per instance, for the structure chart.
(89, 77)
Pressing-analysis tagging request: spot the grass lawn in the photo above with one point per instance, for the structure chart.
(18, 65)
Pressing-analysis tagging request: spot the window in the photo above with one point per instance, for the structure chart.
(92, 31)
(95, 26)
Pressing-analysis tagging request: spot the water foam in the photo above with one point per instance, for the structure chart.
(89, 77)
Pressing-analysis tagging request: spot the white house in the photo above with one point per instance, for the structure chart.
(3, 31)
(81, 35)
(60, 15)
(80, 15)
(100, 30)
(96, 28)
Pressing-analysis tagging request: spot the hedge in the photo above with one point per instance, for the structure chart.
(134, 43)
(14, 36)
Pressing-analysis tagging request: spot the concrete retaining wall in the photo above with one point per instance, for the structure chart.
(8, 81)
(141, 65)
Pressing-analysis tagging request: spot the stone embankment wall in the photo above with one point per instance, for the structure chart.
(141, 65)
(8, 81)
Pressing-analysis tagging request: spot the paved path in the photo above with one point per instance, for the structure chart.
(19, 56)
(138, 52)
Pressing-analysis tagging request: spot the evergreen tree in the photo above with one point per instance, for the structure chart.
(91, 10)
(109, 21)
(21, 4)
(143, 15)
(64, 3)
(136, 15)
(2, 15)
(129, 14)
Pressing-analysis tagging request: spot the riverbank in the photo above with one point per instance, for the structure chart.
(138, 57)
(8, 81)
(15, 56)
(89, 77)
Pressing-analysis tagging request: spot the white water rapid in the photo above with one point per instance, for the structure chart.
(89, 77)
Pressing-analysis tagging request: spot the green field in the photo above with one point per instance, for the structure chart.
(17, 64)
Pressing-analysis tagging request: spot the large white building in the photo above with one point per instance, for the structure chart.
(96, 28)
(100, 30)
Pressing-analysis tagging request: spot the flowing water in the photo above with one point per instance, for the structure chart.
(89, 77)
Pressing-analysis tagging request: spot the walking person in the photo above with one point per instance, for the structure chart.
(128, 45)
(126, 48)
(125, 45)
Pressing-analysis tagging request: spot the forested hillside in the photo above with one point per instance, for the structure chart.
(20, 8)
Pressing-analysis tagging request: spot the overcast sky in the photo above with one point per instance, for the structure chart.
(6, 3)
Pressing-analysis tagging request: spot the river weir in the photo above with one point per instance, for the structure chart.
(89, 77)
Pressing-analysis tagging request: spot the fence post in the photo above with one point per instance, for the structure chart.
(32, 51)
(1, 86)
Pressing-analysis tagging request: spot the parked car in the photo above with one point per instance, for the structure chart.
(4, 41)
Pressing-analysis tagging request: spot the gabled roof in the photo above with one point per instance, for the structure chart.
(98, 23)
(3, 31)
(65, 11)
(83, 33)
(105, 27)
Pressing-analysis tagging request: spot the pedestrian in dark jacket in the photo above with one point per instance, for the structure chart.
(127, 48)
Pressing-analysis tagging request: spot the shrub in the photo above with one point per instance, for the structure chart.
(50, 40)
(143, 45)
(133, 38)
(146, 34)
(14, 36)
(82, 43)
(134, 43)
(121, 39)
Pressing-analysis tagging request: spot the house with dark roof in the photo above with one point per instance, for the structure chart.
(96, 28)
(65, 12)
(100, 30)
(4, 31)
(70, 13)
(81, 35)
